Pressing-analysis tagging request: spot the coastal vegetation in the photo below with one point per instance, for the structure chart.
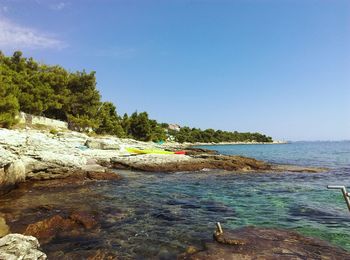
(54, 92)
(192, 135)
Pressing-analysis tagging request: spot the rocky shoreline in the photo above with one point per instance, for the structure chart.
(39, 155)
(32, 160)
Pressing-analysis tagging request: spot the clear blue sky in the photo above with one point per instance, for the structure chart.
(281, 67)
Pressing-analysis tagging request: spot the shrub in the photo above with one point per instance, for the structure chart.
(53, 131)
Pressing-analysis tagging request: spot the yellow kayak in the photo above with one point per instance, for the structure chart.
(147, 151)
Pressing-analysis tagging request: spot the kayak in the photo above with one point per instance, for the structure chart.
(152, 151)
(180, 152)
(147, 151)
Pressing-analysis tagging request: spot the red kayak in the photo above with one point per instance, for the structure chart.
(180, 152)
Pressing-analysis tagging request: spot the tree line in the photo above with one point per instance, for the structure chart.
(192, 135)
(54, 92)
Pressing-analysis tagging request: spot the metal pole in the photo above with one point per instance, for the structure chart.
(345, 193)
(219, 228)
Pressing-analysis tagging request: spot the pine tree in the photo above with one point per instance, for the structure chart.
(9, 106)
(109, 121)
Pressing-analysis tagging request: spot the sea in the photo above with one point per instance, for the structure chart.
(159, 215)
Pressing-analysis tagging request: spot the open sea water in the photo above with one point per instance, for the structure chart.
(158, 215)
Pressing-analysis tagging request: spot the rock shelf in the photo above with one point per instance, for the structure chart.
(38, 155)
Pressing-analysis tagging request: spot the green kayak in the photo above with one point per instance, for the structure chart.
(147, 151)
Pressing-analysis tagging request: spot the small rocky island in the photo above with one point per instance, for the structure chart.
(33, 160)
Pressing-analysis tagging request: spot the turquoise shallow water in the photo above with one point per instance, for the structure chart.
(327, 154)
(165, 213)
(172, 211)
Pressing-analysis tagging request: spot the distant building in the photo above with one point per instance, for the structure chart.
(174, 127)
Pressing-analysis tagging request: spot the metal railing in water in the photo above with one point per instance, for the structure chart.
(345, 193)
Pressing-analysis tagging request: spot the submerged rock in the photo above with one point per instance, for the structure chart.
(50, 228)
(266, 243)
(100, 254)
(84, 218)
(71, 178)
(296, 168)
(17, 246)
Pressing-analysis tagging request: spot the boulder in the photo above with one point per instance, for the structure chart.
(17, 246)
(10, 175)
(14, 172)
(60, 158)
(33, 166)
(74, 140)
(93, 168)
(102, 144)
(6, 157)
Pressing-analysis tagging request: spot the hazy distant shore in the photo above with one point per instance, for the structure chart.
(236, 143)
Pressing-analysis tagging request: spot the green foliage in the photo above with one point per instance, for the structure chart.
(110, 122)
(140, 127)
(82, 123)
(53, 131)
(9, 106)
(158, 132)
(84, 98)
(125, 123)
(52, 91)
(193, 135)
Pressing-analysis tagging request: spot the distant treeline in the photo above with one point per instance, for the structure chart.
(193, 135)
(52, 91)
